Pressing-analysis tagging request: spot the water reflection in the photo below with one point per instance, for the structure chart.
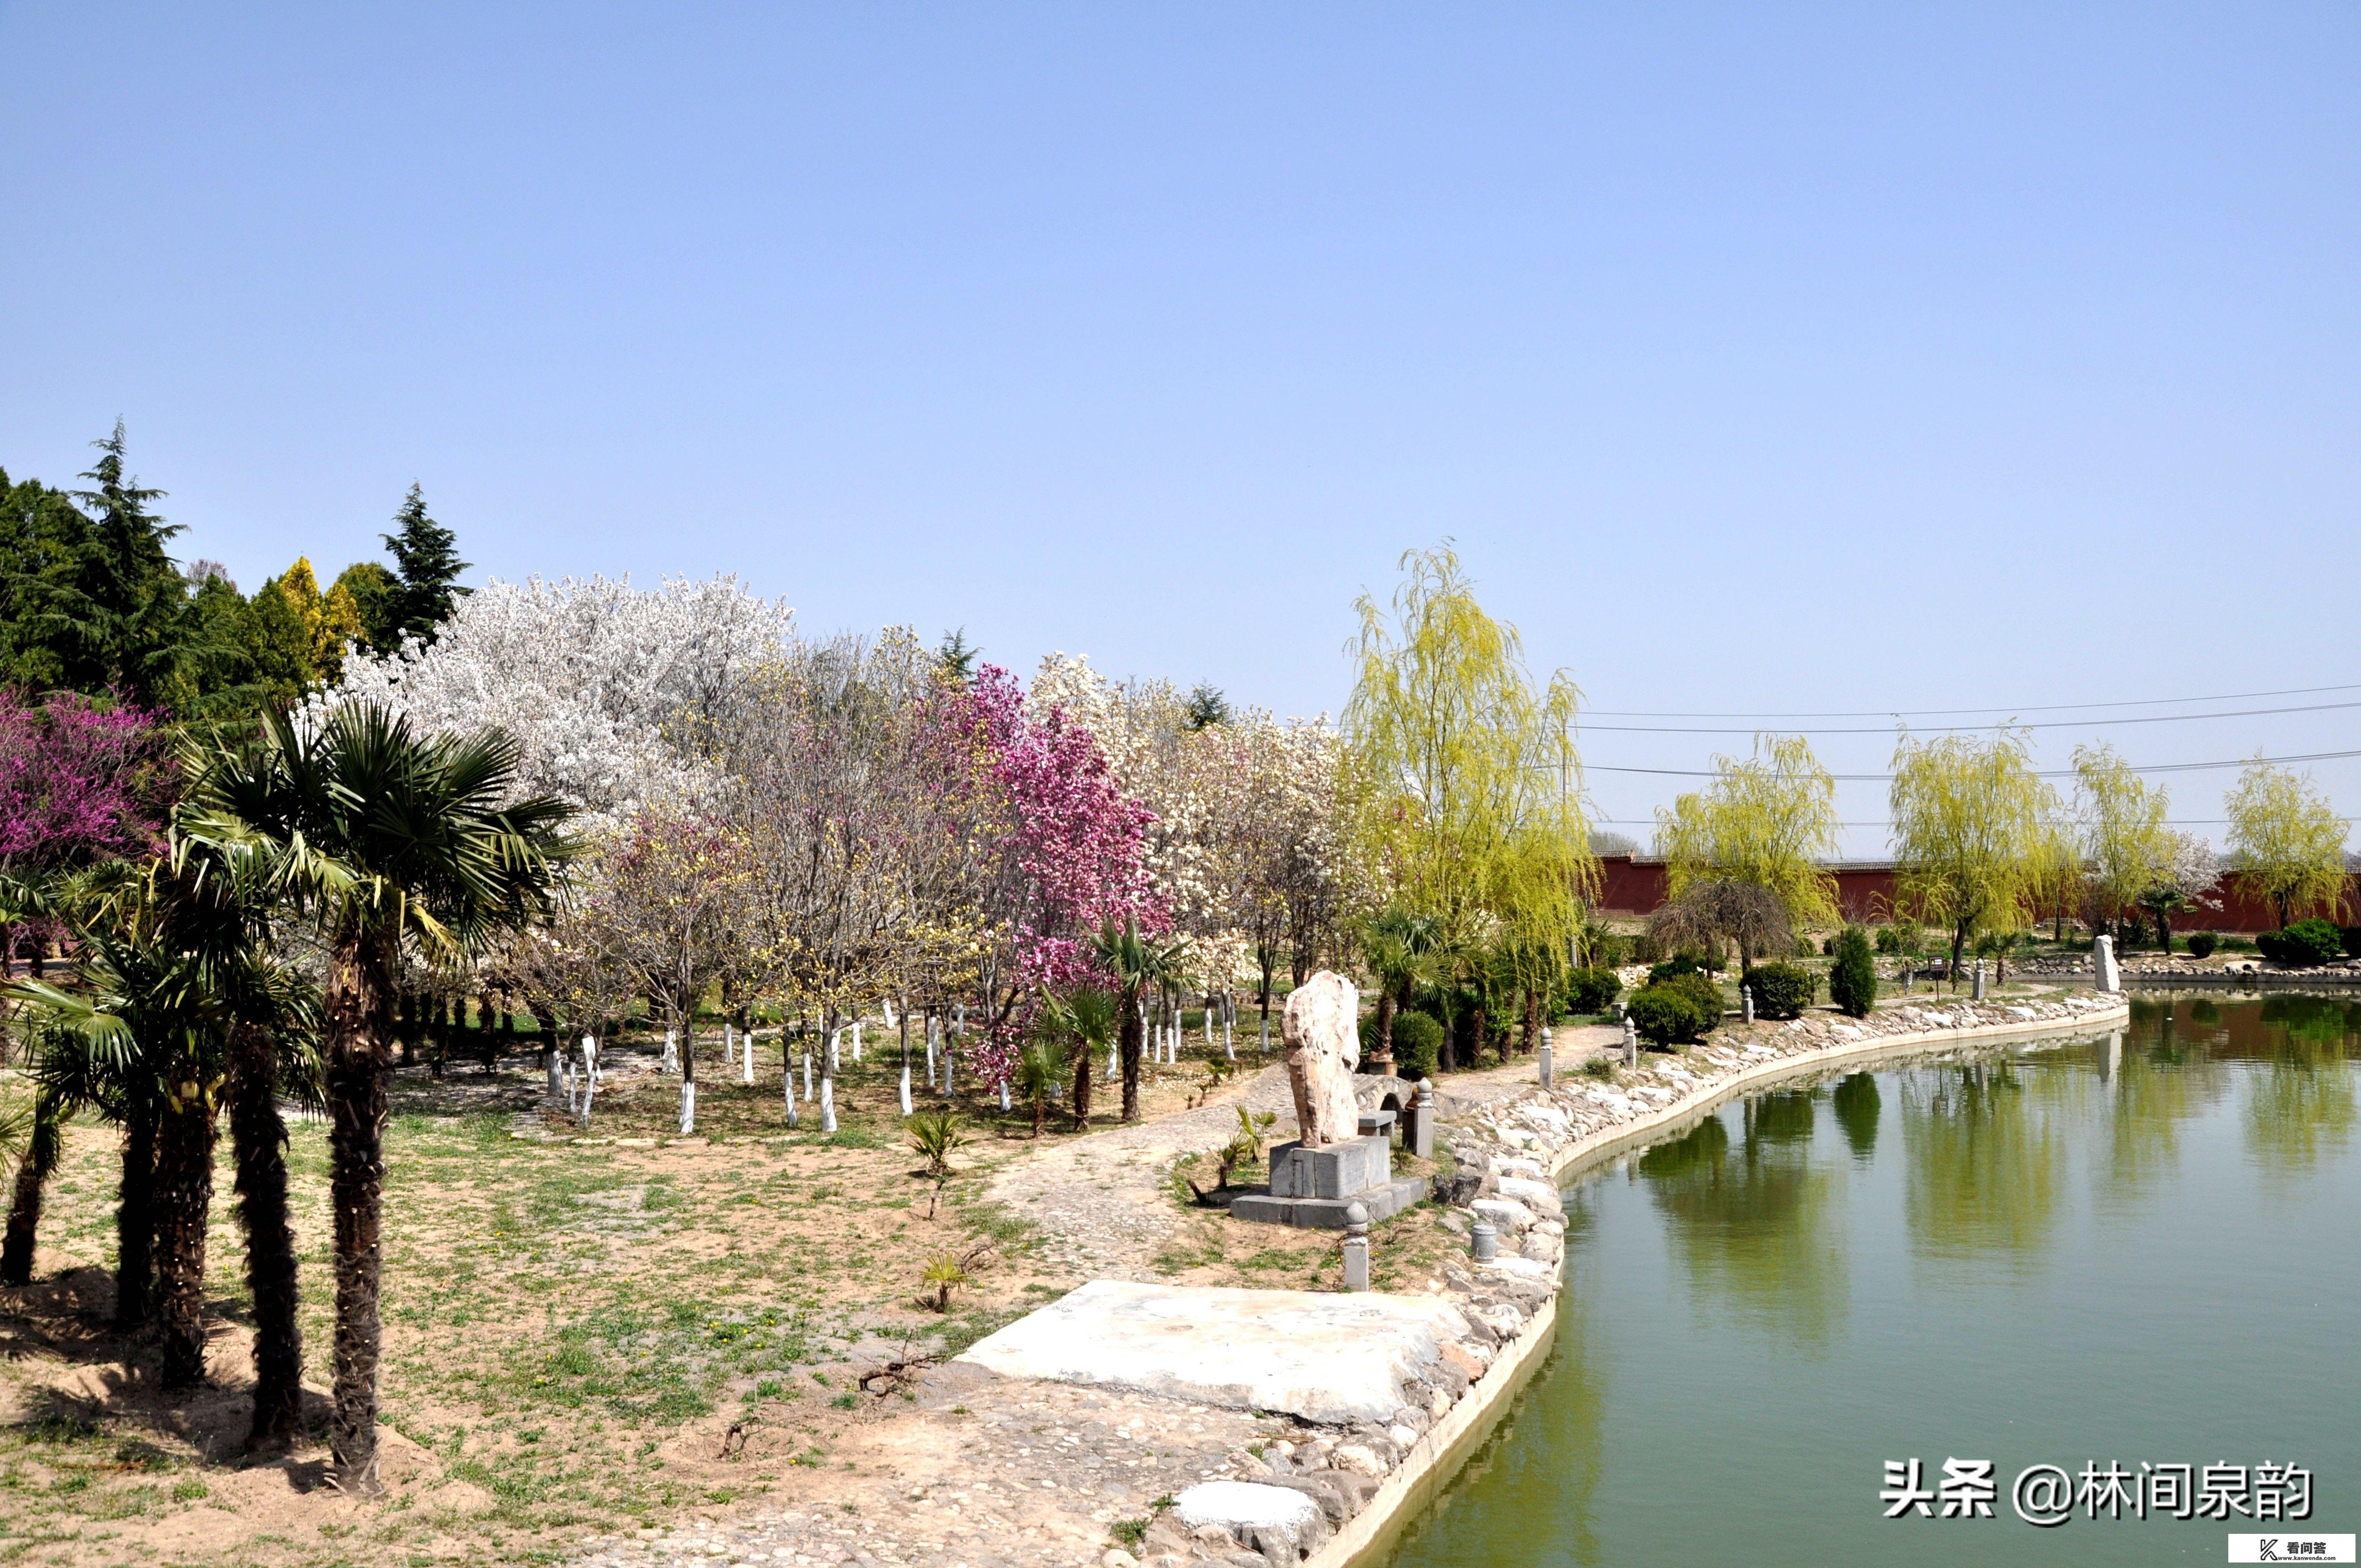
(1985, 1162)
(1856, 1103)
(1736, 1309)
(1753, 1222)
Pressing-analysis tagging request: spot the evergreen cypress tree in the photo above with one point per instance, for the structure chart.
(426, 560)
(127, 609)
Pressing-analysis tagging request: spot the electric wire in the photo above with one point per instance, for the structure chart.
(1995, 707)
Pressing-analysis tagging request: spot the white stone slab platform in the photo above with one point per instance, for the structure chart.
(1331, 1358)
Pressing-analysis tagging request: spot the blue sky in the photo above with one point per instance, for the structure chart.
(1803, 359)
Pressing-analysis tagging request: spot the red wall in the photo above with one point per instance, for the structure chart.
(1633, 886)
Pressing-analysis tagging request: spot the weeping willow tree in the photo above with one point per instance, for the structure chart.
(2126, 844)
(2287, 839)
(1467, 784)
(1972, 824)
(1767, 822)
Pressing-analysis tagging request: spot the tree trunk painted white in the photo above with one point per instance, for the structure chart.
(569, 1089)
(1266, 1032)
(671, 1062)
(554, 1056)
(906, 1089)
(1112, 1073)
(833, 1035)
(787, 1073)
(856, 1039)
(807, 1088)
(688, 1107)
(590, 1059)
(934, 1031)
(1004, 1094)
(948, 1055)
(729, 1045)
(828, 1105)
(746, 1059)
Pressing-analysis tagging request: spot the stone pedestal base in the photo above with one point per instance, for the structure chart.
(1328, 1213)
(1311, 1189)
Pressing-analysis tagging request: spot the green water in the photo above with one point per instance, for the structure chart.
(2143, 1250)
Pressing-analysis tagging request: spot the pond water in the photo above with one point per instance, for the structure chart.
(2138, 1250)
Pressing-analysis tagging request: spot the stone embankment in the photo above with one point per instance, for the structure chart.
(2219, 969)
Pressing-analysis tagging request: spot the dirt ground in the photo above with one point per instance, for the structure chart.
(582, 1339)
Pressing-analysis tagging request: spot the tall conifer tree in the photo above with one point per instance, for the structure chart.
(426, 560)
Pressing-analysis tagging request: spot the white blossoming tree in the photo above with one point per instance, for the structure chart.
(612, 692)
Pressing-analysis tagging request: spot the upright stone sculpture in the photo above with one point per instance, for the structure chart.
(1317, 1179)
(2103, 960)
(1323, 1046)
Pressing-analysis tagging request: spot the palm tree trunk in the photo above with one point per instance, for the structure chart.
(359, 970)
(1129, 1036)
(135, 1218)
(25, 1207)
(1082, 1085)
(1382, 1057)
(184, 1197)
(260, 1138)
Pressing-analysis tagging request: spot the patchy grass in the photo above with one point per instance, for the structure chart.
(571, 1331)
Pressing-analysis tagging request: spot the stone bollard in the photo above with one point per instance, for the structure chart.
(1908, 974)
(1548, 1075)
(1746, 1003)
(1485, 1242)
(1630, 1045)
(1418, 1130)
(1356, 1247)
(2102, 964)
(1977, 994)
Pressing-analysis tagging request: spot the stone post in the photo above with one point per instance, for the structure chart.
(1418, 1129)
(1356, 1247)
(1547, 1066)
(2102, 964)
(1631, 1044)
(1977, 994)
(1746, 1003)
(1485, 1244)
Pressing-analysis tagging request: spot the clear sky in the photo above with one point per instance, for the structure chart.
(1771, 358)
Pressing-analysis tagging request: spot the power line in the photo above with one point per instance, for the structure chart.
(2045, 724)
(2052, 774)
(2002, 707)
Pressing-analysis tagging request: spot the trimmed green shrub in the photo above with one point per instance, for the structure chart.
(1588, 991)
(1852, 979)
(1679, 963)
(2202, 944)
(1699, 987)
(1782, 990)
(2304, 944)
(1671, 1015)
(1418, 1042)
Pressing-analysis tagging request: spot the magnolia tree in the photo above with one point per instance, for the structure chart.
(1249, 835)
(677, 888)
(615, 694)
(828, 781)
(1048, 850)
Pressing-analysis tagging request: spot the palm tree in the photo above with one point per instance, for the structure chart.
(1037, 1078)
(1084, 1015)
(1135, 963)
(238, 881)
(384, 836)
(1400, 947)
